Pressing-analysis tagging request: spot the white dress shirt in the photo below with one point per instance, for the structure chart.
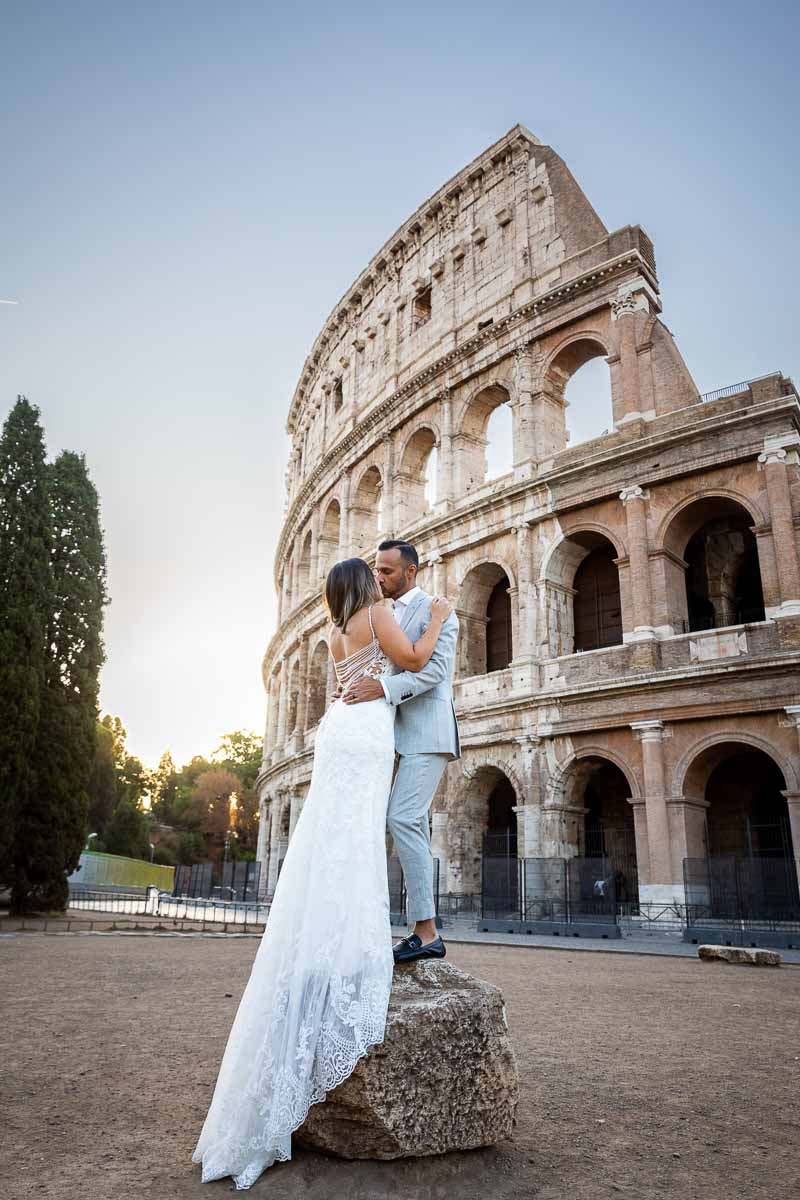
(399, 607)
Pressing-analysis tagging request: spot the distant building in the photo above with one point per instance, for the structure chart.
(627, 679)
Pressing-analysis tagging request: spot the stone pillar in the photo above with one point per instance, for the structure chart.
(273, 704)
(294, 809)
(642, 845)
(529, 830)
(793, 798)
(623, 312)
(438, 576)
(634, 500)
(525, 631)
(302, 683)
(274, 835)
(296, 556)
(446, 472)
(344, 517)
(522, 408)
(283, 705)
(687, 826)
(262, 846)
(439, 821)
(313, 569)
(660, 886)
(774, 462)
(388, 522)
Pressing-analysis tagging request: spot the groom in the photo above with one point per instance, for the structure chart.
(426, 739)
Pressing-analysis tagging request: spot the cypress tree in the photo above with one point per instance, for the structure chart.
(25, 608)
(67, 725)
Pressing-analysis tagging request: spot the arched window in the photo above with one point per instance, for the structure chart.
(367, 512)
(483, 443)
(588, 398)
(486, 642)
(317, 684)
(581, 595)
(579, 386)
(598, 611)
(498, 627)
(499, 442)
(721, 582)
(329, 538)
(414, 477)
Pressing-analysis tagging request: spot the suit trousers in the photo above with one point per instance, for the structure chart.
(414, 786)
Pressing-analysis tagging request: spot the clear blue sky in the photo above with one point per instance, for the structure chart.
(189, 188)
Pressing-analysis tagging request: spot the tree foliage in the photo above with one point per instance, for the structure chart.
(52, 594)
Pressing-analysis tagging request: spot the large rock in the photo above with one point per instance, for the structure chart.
(444, 1078)
(740, 954)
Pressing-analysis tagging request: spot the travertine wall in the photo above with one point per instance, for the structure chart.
(495, 292)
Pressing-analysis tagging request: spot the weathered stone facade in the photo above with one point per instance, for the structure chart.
(645, 584)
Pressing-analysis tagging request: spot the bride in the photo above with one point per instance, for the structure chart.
(318, 991)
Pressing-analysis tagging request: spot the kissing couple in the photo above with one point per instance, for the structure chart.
(319, 987)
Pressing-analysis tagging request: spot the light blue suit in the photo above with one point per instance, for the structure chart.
(426, 738)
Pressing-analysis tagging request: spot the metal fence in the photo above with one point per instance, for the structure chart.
(742, 900)
(398, 898)
(548, 895)
(238, 881)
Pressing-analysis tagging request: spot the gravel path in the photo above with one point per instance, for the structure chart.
(643, 1077)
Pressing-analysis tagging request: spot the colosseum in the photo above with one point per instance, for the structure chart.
(627, 682)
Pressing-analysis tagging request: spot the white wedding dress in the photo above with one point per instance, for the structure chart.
(318, 991)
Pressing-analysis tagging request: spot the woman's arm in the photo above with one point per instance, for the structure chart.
(411, 656)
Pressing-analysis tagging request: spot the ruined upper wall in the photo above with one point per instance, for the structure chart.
(507, 228)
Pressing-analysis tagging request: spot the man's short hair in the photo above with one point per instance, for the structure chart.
(408, 553)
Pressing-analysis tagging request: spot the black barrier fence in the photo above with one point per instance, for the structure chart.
(557, 891)
(398, 898)
(757, 890)
(237, 881)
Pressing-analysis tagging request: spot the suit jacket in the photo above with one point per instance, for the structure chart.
(425, 719)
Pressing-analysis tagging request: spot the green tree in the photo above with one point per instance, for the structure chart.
(26, 602)
(127, 831)
(164, 790)
(67, 726)
(103, 781)
(240, 752)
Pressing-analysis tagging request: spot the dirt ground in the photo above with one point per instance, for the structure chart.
(641, 1077)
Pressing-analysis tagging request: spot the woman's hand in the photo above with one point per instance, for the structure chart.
(441, 608)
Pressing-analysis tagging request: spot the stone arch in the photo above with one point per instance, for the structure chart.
(737, 789)
(470, 440)
(366, 511)
(686, 784)
(491, 793)
(557, 795)
(305, 542)
(485, 608)
(318, 682)
(589, 811)
(410, 479)
(711, 569)
(592, 406)
(330, 536)
(579, 592)
(669, 533)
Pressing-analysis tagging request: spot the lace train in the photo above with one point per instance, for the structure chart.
(318, 991)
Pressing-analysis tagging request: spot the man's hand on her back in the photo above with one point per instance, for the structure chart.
(364, 689)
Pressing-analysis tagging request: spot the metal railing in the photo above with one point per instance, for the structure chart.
(734, 389)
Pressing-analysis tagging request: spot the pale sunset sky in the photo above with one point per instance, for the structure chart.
(190, 187)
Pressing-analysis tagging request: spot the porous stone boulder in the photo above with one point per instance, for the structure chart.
(444, 1078)
(740, 954)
